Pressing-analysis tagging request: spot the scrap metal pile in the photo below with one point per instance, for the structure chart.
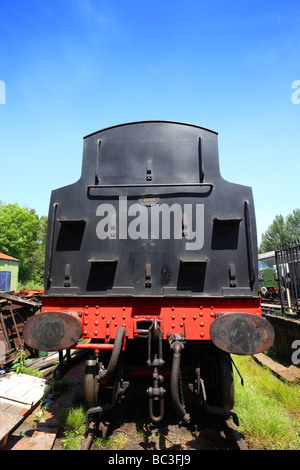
(15, 309)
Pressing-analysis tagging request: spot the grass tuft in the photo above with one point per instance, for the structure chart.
(268, 408)
(74, 429)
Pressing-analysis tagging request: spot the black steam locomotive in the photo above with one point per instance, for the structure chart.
(151, 266)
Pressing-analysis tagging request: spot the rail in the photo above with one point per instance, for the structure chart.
(221, 426)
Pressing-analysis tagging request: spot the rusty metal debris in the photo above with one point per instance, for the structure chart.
(15, 310)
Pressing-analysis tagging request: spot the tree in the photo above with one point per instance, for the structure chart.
(282, 231)
(37, 274)
(22, 235)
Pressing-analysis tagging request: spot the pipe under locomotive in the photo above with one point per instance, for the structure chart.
(151, 265)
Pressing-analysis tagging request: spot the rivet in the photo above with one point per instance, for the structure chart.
(96, 333)
(96, 323)
(201, 323)
(202, 334)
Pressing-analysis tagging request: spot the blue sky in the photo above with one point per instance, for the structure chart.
(72, 67)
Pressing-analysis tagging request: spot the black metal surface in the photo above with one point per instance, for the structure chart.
(150, 166)
(242, 333)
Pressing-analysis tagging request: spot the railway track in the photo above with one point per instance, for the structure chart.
(269, 308)
(127, 428)
(214, 434)
(275, 308)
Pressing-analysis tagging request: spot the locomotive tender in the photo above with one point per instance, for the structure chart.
(151, 265)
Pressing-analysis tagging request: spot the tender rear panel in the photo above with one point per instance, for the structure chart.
(151, 216)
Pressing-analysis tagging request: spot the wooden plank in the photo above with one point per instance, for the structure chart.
(19, 394)
(290, 374)
(21, 388)
(42, 439)
(8, 423)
